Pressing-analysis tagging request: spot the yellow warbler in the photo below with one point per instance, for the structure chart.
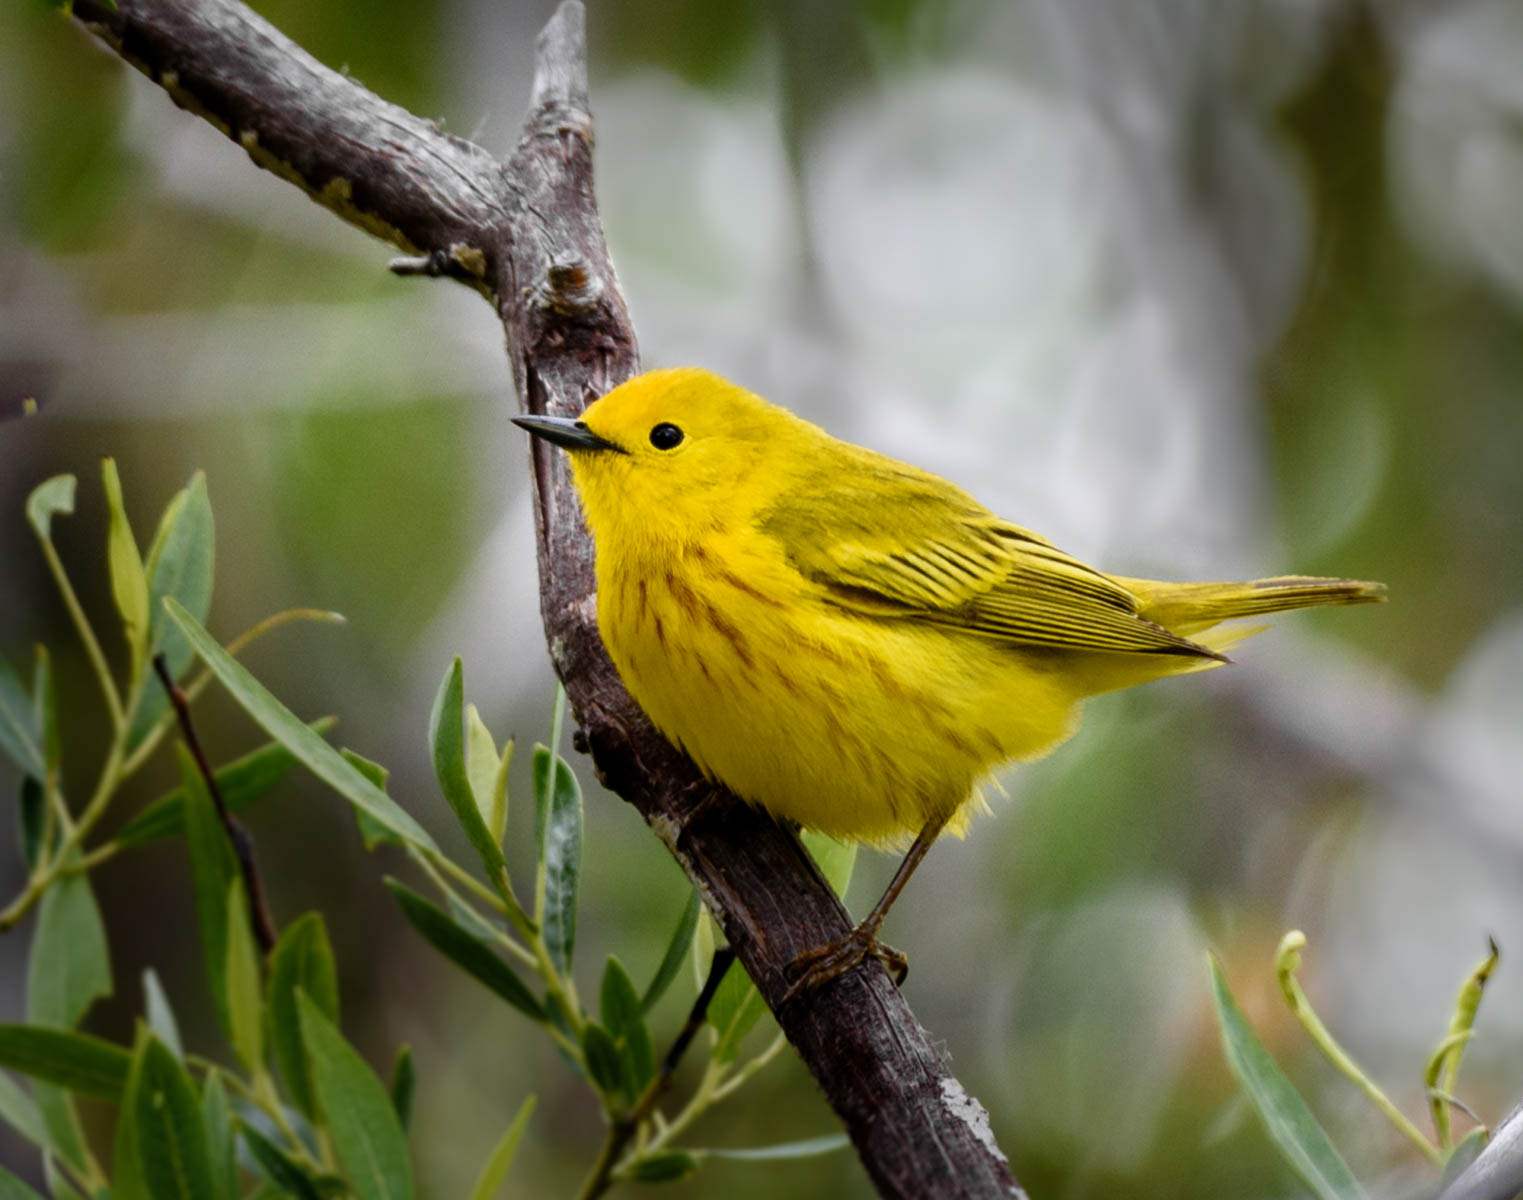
(847, 641)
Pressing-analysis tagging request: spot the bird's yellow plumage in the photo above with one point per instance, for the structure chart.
(842, 639)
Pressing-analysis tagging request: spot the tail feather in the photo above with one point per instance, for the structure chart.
(1188, 608)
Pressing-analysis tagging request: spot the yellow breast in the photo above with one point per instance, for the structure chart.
(858, 727)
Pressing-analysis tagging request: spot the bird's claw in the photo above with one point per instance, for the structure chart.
(819, 966)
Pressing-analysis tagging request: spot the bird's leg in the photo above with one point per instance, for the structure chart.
(821, 965)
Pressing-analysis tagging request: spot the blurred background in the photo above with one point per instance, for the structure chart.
(1196, 288)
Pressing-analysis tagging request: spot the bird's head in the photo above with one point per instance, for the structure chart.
(676, 451)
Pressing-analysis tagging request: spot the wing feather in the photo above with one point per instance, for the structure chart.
(933, 554)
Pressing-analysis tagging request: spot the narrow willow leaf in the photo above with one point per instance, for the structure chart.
(666, 1166)
(302, 961)
(563, 865)
(834, 858)
(676, 951)
(18, 730)
(221, 1137)
(639, 1054)
(179, 565)
(618, 1002)
(404, 1083)
(171, 1138)
(367, 1135)
(129, 584)
(734, 1011)
(60, 1188)
(245, 1008)
(60, 1118)
(482, 763)
(604, 1063)
(11, 1188)
(127, 1182)
(18, 1110)
(495, 1169)
(286, 728)
(372, 832)
(241, 782)
(75, 1061)
(470, 953)
(497, 810)
(541, 768)
(806, 1148)
(49, 499)
(447, 748)
(1295, 1132)
(213, 866)
(161, 1017)
(277, 1166)
(69, 967)
(1466, 1152)
(45, 711)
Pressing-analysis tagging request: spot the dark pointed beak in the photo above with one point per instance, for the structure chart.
(570, 432)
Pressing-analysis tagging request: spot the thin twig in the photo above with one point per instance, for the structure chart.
(622, 1128)
(243, 845)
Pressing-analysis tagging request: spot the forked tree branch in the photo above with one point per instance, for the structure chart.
(527, 234)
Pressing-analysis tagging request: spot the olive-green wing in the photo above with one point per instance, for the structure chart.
(908, 545)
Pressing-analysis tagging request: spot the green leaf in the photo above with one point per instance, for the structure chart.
(372, 832)
(277, 1166)
(241, 782)
(562, 863)
(75, 1061)
(245, 1007)
(666, 1166)
(541, 768)
(12, 1188)
(604, 1063)
(60, 1188)
(483, 765)
(179, 565)
(171, 1138)
(213, 866)
(54, 497)
(404, 1083)
(129, 584)
(19, 1112)
(221, 1138)
(366, 1133)
(834, 858)
(448, 750)
(1295, 1132)
(470, 953)
(161, 1017)
(45, 711)
(127, 1182)
(31, 820)
(280, 723)
(69, 967)
(495, 1169)
(18, 732)
(1466, 1152)
(676, 951)
(619, 1007)
(301, 962)
(806, 1148)
(734, 1011)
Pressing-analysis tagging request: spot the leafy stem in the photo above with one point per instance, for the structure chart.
(1287, 962)
(86, 635)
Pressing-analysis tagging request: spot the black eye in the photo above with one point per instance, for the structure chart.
(665, 436)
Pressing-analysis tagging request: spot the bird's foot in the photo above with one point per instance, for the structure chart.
(819, 966)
